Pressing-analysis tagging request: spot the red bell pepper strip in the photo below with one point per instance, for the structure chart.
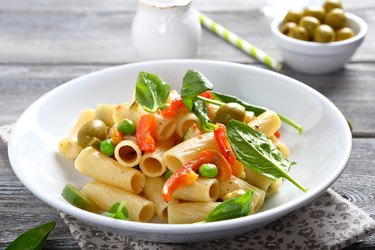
(207, 94)
(187, 176)
(145, 133)
(277, 134)
(222, 142)
(176, 105)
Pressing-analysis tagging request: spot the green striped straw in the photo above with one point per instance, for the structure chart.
(239, 42)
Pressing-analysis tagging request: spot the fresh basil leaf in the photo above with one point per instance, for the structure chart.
(33, 238)
(232, 208)
(256, 151)
(194, 83)
(151, 91)
(200, 110)
(253, 108)
(118, 211)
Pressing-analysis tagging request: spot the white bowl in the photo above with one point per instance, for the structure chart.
(319, 58)
(322, 151)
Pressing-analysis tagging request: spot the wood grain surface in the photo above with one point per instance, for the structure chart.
(46, 43)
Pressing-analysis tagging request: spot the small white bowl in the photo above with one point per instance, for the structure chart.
(319, 58)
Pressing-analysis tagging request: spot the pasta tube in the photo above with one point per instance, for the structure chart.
(152, 164)
(69, 146)
(152, 192)
(268, 122)
(103, 168)
(104, 195)
(281, 146)
(104, 112)
(185, 121)
(234, 184)
(189, 212)
(127, 153)
(165, 127)
(268, 185)
(257, 179)
(132, 112)
(204, 189)
(175, 157)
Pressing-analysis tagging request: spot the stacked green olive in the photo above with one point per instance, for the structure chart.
(318, 24)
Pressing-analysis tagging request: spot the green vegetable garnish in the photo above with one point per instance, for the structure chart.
(107, 147)
(200, 110)
(164, 106)
(167, 174)
(126, 127)
(151, 91)
(33, 238)
(194, 83)
(257, 152)
(78, 199)
(208, 170)
(256, 109)
(118, 211)
(232, 208)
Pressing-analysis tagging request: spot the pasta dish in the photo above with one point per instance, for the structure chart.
(193, 156)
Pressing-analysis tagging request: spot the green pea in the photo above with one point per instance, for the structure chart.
(208, 170)
(107, 147)
(126, 127)
(167, 174)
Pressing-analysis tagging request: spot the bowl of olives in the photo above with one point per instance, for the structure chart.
(318, 39)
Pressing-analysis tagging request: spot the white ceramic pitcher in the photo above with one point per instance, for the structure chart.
(165, 29)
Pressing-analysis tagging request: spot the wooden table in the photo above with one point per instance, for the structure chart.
(46, 43)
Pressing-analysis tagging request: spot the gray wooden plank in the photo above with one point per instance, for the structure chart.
(76, 32)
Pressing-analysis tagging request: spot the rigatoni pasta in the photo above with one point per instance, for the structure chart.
(236, 184)
(189, 212)
(100, 167)
(185, 151)
(194, 157)
(127, 153)
(105, 195)
(204, 189)
(161, 207)
(69, 146)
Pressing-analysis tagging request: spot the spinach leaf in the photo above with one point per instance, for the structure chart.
(256, 151)
(118, 211)
(194, 83)
(151, 91)
(256, 109)
(200, 110)
(33, 238)
(232, 208)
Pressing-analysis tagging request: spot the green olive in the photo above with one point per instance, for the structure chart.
(336, 18)
(332, 4)
(94, 128)
(344, 33)
(286, 27)
(299, 33)
(230, 111)
(293, 16)
(315, 11)
(324, 34)
(310, 23)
